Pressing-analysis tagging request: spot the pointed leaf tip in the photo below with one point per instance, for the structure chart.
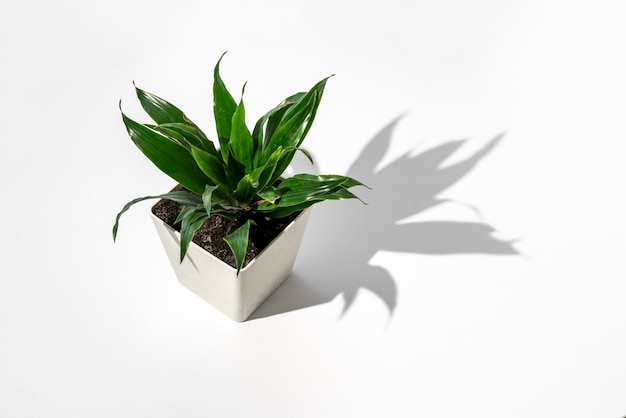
(238, 243)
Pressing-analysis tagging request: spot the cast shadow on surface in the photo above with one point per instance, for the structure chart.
(342, 237)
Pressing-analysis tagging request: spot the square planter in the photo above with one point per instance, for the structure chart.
(216, 282)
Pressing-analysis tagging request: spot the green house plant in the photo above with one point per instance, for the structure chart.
(239, 181)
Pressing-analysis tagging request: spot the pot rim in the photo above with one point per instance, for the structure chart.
(222, 261)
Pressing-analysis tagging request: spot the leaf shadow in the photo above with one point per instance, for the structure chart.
(342, 238)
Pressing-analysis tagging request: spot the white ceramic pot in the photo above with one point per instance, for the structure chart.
(218, 283)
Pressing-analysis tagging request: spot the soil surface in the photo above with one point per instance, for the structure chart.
(211, 234)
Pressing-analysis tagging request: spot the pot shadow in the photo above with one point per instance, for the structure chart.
(405, 187)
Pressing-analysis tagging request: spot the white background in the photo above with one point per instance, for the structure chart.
(485, 278)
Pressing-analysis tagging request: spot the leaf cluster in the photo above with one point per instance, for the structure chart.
(243, 175)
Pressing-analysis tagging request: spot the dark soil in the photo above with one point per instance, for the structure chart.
(211, 234)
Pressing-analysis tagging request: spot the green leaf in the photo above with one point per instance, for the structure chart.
(170, 118)
(241, 142)
(170, 157)
(308, 187)
(192, 135)
(191, 221)
(211, 166)
(206, 198)
(238, 243)
(263, 176)
(182, 197)
(224, 107)
(307, 155)
(270, 194)
(185, 211)
(172, 135)
(297, 120)
(160, 110)
(304, 190)
(259, 132)
(280, 212)
(274, 120)
(294, 126)
(245, 189)
(267, 124)
(282, 163)
(283, 212)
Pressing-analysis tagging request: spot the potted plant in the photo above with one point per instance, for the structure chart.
(233, 225)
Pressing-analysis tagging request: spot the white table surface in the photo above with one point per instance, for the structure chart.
(485, 278)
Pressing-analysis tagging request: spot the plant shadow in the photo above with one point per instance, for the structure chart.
(405, 187)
